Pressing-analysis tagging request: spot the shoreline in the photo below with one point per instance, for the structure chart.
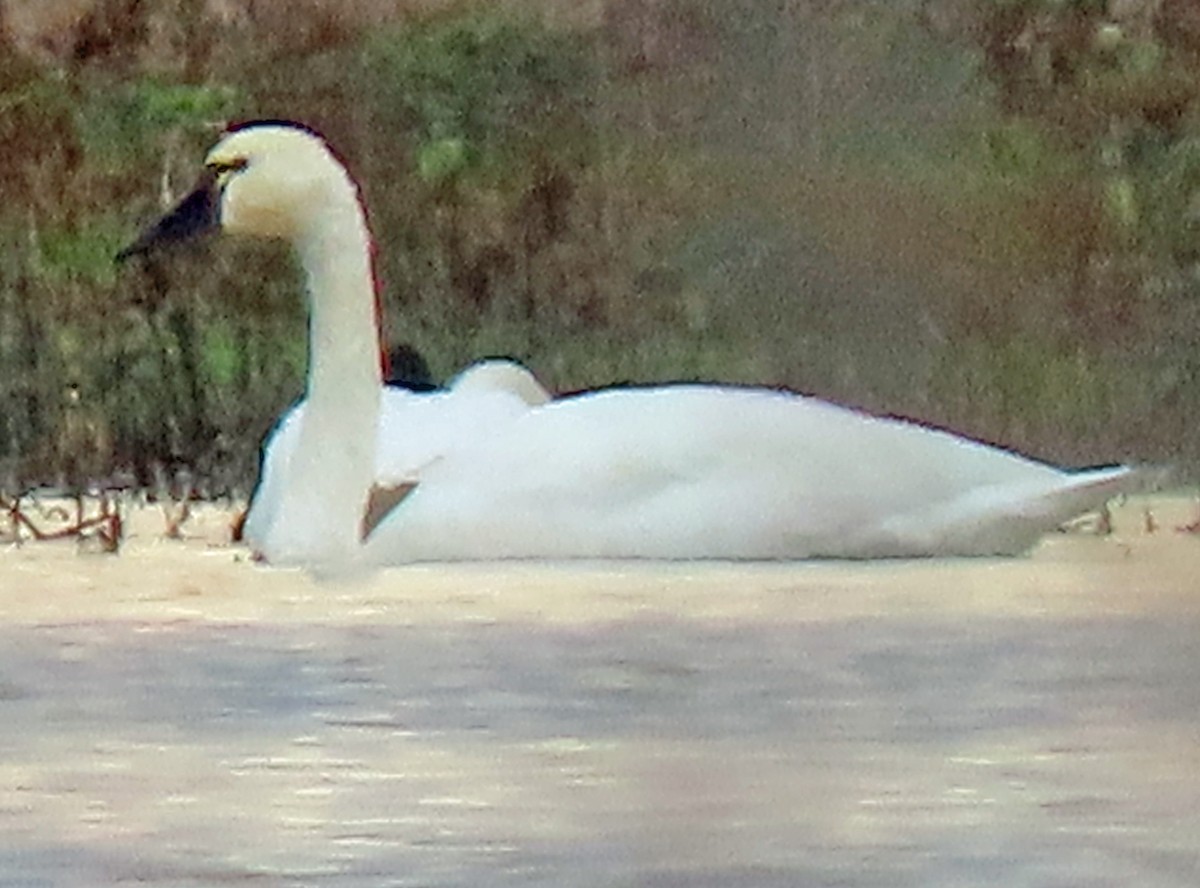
(204, 577)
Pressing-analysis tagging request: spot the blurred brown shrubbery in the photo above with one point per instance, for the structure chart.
(982, 214)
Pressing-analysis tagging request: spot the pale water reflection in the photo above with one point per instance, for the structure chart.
(176, 717)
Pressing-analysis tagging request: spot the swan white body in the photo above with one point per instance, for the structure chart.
(414, 429)
(667, 472)
(708, 472)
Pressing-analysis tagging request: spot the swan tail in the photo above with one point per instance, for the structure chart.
(1090, 489)
(1010, 520)
(1017, 525)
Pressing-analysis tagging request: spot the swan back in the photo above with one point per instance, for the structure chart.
(500, 375)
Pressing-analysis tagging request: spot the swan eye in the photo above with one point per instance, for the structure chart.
(224, 167)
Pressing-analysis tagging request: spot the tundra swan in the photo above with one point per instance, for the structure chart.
(682, 471)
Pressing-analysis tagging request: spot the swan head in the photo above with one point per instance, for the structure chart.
(270, 179)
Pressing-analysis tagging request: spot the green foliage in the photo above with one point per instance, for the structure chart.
(224, 361)
(82, 255)
(126, 120)
(1171, 184)
(1017, 150)
(481, 92)
(164, 105)
(442, 159)
(1026, 386)
(1121, 201)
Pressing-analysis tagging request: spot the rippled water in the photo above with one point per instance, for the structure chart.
(660, 751)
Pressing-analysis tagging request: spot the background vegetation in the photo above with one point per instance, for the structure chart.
(980, 213)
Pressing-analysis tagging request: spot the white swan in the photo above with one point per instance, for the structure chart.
(667, 472)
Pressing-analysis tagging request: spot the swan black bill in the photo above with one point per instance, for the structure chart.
(195, 215)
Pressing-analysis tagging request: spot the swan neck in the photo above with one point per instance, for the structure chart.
(343, 324)
(334, 463)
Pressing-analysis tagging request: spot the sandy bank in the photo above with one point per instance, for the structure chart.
(204, 577)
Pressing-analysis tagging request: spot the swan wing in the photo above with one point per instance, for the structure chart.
(710, 472)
